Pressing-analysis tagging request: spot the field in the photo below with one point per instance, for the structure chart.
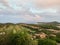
(29, 34)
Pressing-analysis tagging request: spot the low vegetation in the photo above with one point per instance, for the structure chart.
(28, 34)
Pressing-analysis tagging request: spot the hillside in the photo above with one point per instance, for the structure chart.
(34, 32)
(53, 23)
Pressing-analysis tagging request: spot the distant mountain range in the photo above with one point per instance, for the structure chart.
(54, 22)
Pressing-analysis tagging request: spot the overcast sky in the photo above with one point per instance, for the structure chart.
(29, 11)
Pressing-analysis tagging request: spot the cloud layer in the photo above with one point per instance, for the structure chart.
(29, 10)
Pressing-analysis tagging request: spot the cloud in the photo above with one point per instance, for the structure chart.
(26, 17)
(19, 18)
(29, 10)
(46, 3)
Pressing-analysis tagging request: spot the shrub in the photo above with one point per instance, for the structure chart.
(46, 42)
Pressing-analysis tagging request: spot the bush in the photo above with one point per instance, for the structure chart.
(17, 38)
(20, 38)
(52, 37)
(46, 42)
(58, 37)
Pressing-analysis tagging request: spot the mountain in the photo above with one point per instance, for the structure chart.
(54, 23)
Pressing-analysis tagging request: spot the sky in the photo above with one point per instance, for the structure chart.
(29, 11)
